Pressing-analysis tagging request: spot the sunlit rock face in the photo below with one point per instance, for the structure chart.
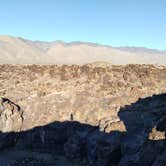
(10, 122)
(97, 115)
(90, 94)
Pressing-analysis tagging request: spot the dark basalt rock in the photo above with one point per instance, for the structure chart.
(143, 143)
(10, 123)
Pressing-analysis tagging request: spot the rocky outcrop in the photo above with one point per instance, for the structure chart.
(88, 115)
(141, 143)
(144, 139)
(61, 91)
(10, 122)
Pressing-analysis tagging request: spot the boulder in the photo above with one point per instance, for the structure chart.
(10, 122)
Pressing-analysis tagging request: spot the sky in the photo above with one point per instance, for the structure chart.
(140, 23)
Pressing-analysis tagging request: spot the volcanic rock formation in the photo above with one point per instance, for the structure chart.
(83, 115)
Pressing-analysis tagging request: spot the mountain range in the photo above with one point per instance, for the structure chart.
(16, 50)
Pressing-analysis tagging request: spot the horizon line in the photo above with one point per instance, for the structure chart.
(85, 42)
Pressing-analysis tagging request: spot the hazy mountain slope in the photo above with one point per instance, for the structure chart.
(14, 50)
(22, 51)
(84, 53)
(42, 46)
(141, 50)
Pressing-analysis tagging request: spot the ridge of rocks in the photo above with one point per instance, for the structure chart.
(89, 115)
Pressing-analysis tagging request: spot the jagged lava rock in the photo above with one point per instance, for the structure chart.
(107, 115)
(10, 122)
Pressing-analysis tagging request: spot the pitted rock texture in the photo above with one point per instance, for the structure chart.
(109, 115)
(88, 94)
(10, 122)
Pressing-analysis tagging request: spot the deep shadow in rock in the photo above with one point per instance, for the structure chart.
(144, 140)
(142, 143)
(70, 139)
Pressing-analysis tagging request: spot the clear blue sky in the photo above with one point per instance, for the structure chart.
(112, 22)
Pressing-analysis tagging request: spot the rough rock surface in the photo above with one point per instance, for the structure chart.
(10, 121)
(89, 115)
